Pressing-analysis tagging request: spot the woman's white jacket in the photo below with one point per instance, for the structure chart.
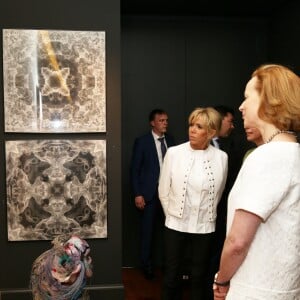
(174, 177)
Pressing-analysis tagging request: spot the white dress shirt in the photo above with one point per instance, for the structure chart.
(158, 147)
(216, 142)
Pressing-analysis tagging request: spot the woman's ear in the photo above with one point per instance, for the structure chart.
(211, 133)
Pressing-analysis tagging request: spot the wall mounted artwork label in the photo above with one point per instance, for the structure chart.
(54, 81)
(56, 187)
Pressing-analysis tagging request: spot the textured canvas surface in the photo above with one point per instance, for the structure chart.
(56, 187)
(54, 81)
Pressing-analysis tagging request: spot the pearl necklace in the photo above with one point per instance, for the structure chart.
(278, 132)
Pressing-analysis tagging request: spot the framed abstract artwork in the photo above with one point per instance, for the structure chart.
(54, 81)
(56, 187)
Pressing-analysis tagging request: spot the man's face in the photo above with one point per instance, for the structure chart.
(227, 125)
(159, 124)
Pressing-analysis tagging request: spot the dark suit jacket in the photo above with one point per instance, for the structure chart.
(235, 146)
(145, 166)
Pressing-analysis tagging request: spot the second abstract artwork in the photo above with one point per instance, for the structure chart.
(56, 187)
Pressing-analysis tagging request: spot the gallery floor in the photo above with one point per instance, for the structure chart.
(138, 288)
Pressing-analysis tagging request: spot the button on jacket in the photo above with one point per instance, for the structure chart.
(176, 177)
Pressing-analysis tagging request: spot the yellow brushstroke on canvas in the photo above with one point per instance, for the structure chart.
(52, 58)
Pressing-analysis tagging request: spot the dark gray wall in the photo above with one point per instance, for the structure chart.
(284, 36)
(16, 257)
(179, 64)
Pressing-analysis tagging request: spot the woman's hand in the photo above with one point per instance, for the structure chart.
(220, 292)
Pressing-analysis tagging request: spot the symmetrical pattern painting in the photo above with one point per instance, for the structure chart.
(54, 81)
(56, 187)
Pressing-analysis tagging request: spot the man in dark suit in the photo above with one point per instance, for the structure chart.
(227, 144)
(147, 158)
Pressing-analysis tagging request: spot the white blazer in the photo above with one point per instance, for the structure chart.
(174, 178)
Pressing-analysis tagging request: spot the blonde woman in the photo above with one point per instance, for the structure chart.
(191, 183)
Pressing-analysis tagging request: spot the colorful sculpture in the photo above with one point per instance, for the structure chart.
(61, 272)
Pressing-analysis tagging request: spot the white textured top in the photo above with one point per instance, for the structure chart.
(190, 187)
(268, 185)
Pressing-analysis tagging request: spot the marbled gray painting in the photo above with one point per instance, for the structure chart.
(56, 187)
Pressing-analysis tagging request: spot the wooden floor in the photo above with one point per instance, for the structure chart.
(138, 288)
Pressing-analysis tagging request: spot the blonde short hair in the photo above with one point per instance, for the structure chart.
(211, 118)
(279, 89)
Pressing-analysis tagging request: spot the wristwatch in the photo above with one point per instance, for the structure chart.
(220, 283)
